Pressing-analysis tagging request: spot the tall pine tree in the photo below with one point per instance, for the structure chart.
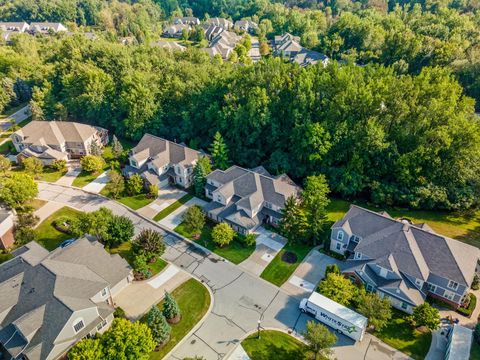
(158, 325)
(294, 224)
(315, 201)
(117, 147)
(200, 171)
(171, 311)
(219, 152)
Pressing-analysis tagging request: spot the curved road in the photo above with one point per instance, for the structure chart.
(240, 299)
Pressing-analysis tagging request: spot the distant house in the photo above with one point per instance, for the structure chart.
(288, 46)
(176, 30)
(222, 43)
(247, 26)
(46, 27)
(186, 20)
(51, 300)
(9, 29)
(161, 162)
(401, 261)
(57, 140)
(220, 22)
(170, 45)
(6, 229)
(247, 198)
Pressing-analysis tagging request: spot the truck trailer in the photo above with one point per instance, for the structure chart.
(335, 315)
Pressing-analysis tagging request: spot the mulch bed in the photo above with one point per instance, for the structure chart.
(289, 257)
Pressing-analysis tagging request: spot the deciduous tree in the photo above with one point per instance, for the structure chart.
(338, 288)
(92, 163)
(426, 315)
(17, 189)
(135, 184)
(149, 243)
(5, 164)
(33, 166)
(377, 310)
(194, 219)
(319, 340)
(116, 184)
(222, 234)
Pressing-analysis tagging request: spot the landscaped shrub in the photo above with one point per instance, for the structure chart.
(476, 283)
(250, 239)
(119, 313)
(62, 224)
(467, 311)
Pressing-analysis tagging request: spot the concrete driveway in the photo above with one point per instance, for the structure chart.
(138, 297)
(308, 274)
(175, 218)
(73, 171)
(98, 184)
(268, 244)
(166, 197)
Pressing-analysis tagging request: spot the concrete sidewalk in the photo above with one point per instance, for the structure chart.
(138, 297)
(67, 179)
(46, 210)
(166, 197)
(175, 218)
(98, 184)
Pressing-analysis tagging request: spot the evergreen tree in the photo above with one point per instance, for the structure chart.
(315, 202)
(171, 311)
(200, 171)
(294, 222)
(117, 147)
(219, 152)
(95, 149)
(158, 325)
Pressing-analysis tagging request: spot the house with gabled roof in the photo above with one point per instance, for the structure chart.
(186, 20)
(247, 198)
(51, 300)
(288, 46)
(161, 162)
(220, 22)
(247, 26)
(402, 261)
(46, 27)
(57, 140)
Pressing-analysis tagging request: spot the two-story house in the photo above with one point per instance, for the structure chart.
(247, 198)
(247, 26)
(186, 20)
(401, 261)
(57, 140)
(51, 300)
(46, 27)
(161, 162)
(288, 46)
(220, 22)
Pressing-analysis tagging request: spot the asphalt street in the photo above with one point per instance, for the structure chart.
(240, 299)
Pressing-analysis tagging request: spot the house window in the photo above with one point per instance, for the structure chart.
(452, 285)
(340, 235)
(432, 288)
(339, 246)
(101, 325)
(448, 295)
(369, 288)
(78, 325)
(134, 163)
(104, 292)
(404, 306)
(355, 238)
(358, 255)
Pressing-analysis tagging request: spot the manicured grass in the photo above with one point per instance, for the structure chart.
(48, 174)
(399, 334)
(36, 203)
(49, 237)
(463, 226)
(235, 252)
(171, 208)
(85, 178)
(125, 251)
(278, 271)
(135, 202)
(475, 351)
(274, 345)
(194, 300)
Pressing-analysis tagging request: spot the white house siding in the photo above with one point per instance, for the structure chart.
(119, 287)
(396, 303)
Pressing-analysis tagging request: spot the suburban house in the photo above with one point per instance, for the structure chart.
(288, 46)
(57, 140)
(402, 261)
(247, 26)
(247, 198)
(169, 45)
(176, 30)
(9, 29)
(220, 22)
(186, 20)
(223, 43)
(6, 229)
(51, 300)
(46, 27)
(161, 162)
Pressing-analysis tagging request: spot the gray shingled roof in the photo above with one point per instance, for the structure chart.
(416, 251)
(40, 290)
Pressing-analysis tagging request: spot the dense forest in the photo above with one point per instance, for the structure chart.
(398, 129)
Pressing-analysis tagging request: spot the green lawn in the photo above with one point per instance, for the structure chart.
(399, 334)
(48, 174)
(125, 251)
(49, 237)
(85, 178)
(463, 226)
(36, 203)
(194, 300)
(7, 147)
(234, 252)
(278, 271)
(171, 208)
(135, 202)
(274, 345)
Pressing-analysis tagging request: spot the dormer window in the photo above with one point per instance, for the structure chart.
(104, 292)
(78, 325)
(340, 235)
(358, 255)
(452, 285)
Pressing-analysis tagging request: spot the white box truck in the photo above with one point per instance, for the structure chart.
(335, 315)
